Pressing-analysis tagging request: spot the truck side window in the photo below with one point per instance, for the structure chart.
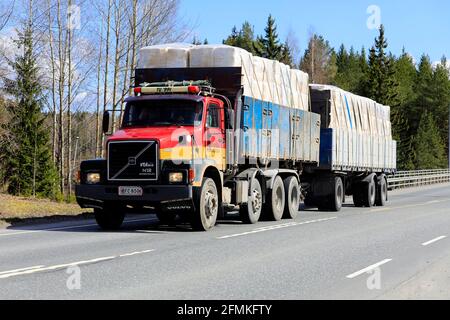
(212, 120)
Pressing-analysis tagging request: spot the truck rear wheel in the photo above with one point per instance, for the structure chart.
(382, 192)
(333, 202)
(364, 194)
(204, 217)
(251, 212)
(109, 218)
(292, 192)
(276, 198)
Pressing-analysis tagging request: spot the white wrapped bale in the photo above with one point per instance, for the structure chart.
(164, 56)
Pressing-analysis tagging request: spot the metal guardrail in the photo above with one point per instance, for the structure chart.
(408, 179)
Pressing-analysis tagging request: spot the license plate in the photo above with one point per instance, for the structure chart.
(131, 191)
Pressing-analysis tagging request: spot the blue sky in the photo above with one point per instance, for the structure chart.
(419, 26)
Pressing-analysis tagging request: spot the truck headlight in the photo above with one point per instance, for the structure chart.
(93, 178)
(175, 177)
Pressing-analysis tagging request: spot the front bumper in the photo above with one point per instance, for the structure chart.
(95, 196)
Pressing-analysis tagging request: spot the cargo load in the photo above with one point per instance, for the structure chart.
(356, 131)
(262, 79)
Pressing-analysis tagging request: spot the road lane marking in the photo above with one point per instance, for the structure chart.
(4, 234)
(55, 267)
(135, 253)
(274, 227)
(433, 241)
(369, 268)
(37, 269)
(381, 209)
(409, 206)
(19, 270)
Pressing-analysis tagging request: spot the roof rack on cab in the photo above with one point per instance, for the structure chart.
(199, 87)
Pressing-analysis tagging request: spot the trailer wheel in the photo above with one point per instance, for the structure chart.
(251, 212)
(382, 192)
(274, 207)
(204, 217)
(370, 194)
(292, 203)
(334, 201)
(109, 218)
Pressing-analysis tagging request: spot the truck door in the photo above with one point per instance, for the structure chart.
(215, 146)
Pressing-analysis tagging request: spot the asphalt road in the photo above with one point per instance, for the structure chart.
(401, 251)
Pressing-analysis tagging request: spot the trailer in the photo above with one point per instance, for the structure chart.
(212, 130)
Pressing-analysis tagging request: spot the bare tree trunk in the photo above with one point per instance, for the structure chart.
(97, 125)
(69, 107)
(105, 87)
(53, 85)
(61, 57)
(117, 33)
(133, 45)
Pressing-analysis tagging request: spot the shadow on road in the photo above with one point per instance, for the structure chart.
(135, 223)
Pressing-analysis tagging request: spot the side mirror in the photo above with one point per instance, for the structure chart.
(106, 121)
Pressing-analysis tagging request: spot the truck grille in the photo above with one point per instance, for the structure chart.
(133, 161)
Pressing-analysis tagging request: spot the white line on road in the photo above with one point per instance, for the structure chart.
(19, 270)
(433, 241)
(274, 227)
(410, 205)
(30, 270)
(5, 234)
(135, 253)
(55, 267)
(369, 268)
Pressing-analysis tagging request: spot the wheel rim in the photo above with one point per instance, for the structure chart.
(211, 204)
(256, 201)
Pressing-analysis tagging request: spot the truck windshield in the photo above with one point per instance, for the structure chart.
(155, 113)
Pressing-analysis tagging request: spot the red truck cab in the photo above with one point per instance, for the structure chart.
(158, 158)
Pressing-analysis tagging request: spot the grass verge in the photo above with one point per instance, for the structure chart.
(19, 210)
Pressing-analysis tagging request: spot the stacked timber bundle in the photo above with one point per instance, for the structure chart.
(262, 79)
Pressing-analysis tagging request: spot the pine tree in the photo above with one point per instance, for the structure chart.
(381, 84)
(269, 46)
(28, 155)
(319, 61)
(429, 148)
(405, 73)
(364, 67)
(383, 87)
(423, 88)
(350, 72)
(286, 55)
(441, 98)
(243, 38)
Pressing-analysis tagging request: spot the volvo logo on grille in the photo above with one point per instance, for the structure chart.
(132, 161)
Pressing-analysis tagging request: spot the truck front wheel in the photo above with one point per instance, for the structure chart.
(204, 217)
(109, 218)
